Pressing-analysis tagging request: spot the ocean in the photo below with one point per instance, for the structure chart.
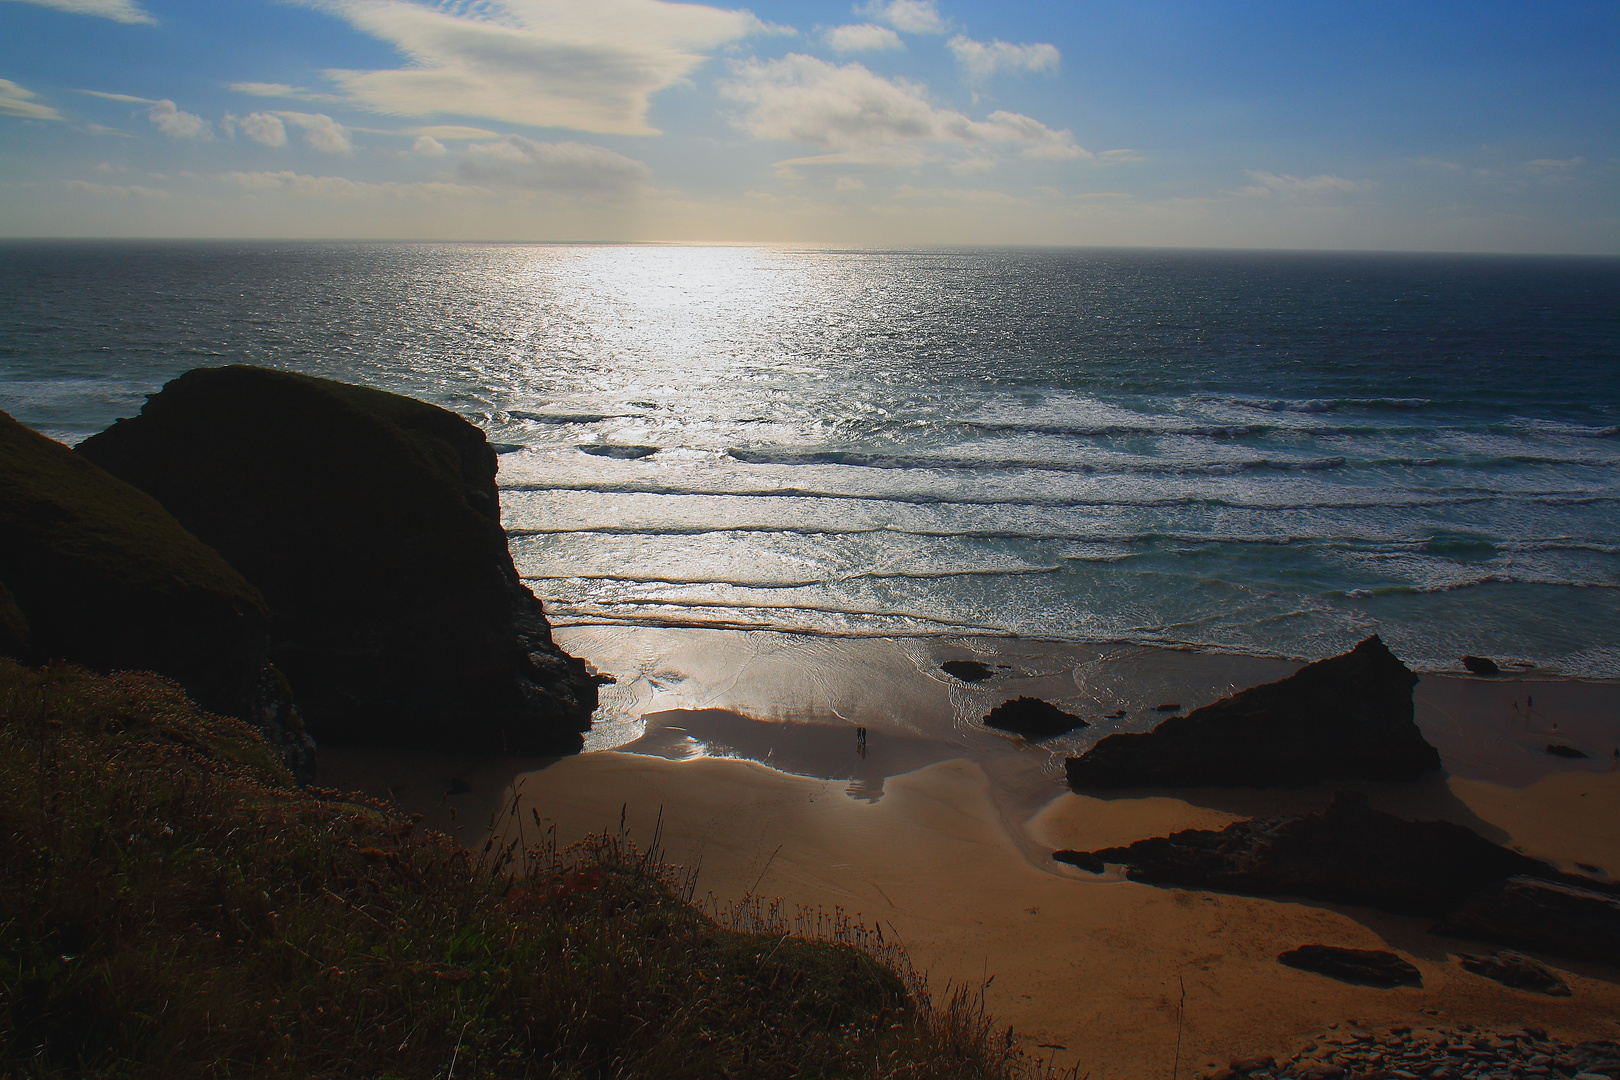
(1259, 453)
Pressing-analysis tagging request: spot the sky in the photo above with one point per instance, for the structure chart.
(1435, 126)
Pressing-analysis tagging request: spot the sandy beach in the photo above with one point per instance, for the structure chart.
(941, 833)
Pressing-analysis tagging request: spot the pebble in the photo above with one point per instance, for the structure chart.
(1460, 1054)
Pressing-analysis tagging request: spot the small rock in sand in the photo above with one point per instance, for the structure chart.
(969, 671)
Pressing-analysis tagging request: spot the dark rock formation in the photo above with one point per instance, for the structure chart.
(1348, 717)
(1481, 665)
(1560, 750)
(1349, 853)
(1032, 718)
(371, 524)
(101, 575)
(1548, 916)
(1518, 971)
(969, 671)
(14, 635)
(1365, 967)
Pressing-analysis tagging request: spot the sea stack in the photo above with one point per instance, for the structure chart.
(1345, 718)
(371, 524)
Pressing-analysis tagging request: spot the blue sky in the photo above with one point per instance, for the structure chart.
(1460, 127)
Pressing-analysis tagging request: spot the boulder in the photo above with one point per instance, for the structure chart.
(1518, 971)
(1481, 665)
(371, 523)
(1347, 717)
(969, 671)
(1560, 750)
(1365, 967)
(1349, 853)
(1032, 718)
(1558, 917)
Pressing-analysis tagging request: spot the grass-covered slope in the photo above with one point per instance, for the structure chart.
(101, 574)
(371, 523)
(171, 906)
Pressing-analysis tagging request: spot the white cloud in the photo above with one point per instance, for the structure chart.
(982, 59)
(130, 98)
(288, 182)
(1120, 157)
(862, 117)
(862, 37)
(124, 11)
(541, 63)
(568, 166)
(1554, 166)
(428, 146)
(132, 191)
(264, 128)
(176, 123)
(1267, 185)
(18, 101)
(911, 16)
(320, 131)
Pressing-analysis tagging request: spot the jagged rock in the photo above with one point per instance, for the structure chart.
(1518, 971)
(969, 671)
(1560, 750)
(1365, 967)
(371, 524)
(1348, 717)
(1549, 916)
(14, 635)
(1481, 665)
(1348, 853)
(1032, 718)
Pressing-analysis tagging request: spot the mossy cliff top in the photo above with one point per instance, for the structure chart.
(371, 522)
(100, 572)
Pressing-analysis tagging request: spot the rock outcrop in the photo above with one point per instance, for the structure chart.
(1032, 718)
(1349, 853)
(1352, 854)
(969, 671)
(1518, 971)
(1481, 665)
(1347, 717)
(371, 524)
(1365, 967)
(1558, 917)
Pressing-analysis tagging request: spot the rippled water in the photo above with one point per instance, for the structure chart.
(1263, 453)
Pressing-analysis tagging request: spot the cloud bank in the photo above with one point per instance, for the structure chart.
(567, 166)
(859, 116)
(541, 63)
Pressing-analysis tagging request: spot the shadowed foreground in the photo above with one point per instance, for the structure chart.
(171, 905)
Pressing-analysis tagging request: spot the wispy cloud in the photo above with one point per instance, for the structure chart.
(1274, 185)
(119, 191)
(862, 37)
(19, 101)
(338, 187)
(280, 90)
(910, 16)
(982, 59)
(124, 11)
(566, 166)
(540, 63)
(862, 117)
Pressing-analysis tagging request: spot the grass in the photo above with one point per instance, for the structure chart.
(171, 905)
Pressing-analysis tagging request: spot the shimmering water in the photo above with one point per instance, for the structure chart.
(1264, 453)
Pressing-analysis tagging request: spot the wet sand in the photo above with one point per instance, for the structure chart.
(942, 831)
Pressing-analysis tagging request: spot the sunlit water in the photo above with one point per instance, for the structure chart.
(1271, 454)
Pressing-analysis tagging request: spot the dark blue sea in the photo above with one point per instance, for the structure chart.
(1274, 454)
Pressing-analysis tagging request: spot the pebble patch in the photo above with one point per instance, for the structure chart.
(1456, 1054)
